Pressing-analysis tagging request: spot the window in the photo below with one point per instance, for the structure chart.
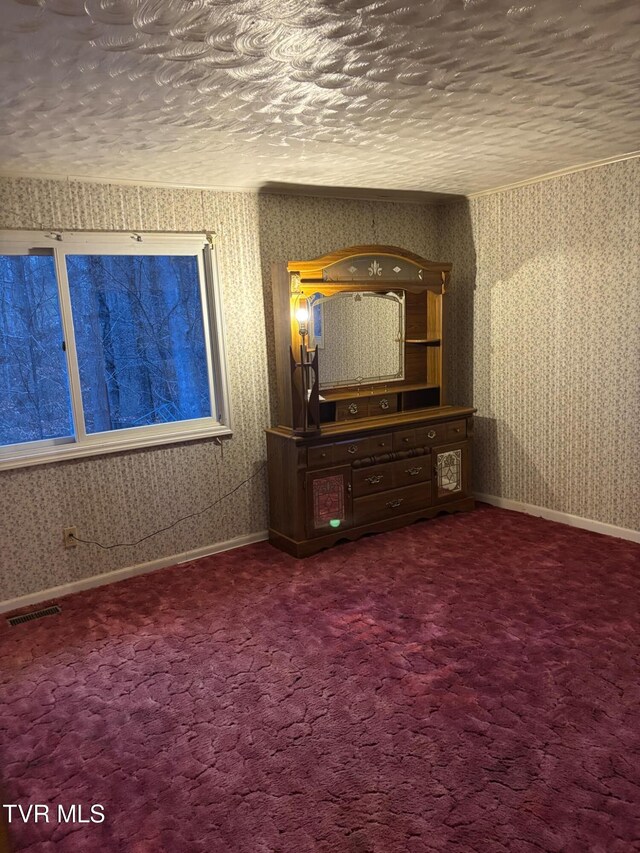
(107, 342)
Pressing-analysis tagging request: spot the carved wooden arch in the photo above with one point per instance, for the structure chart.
(377, 265)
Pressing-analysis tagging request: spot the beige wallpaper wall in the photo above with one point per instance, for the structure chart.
(120, 497)
(544, 321)
(376, 352)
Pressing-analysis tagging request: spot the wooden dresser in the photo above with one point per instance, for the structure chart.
(353, 481)
(349, 458)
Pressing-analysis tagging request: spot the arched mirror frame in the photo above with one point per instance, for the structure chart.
(359, 335)
(375, 268)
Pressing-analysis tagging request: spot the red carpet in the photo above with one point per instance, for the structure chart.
(467, 685)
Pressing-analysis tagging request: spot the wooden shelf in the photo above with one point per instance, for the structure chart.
(382, 421)
(417, 386)
(363, 392)
(429, 342)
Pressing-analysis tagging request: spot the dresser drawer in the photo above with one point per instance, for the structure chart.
(388, 504)
(385, 404)
(456, 430)
(425, 436)
(379, 444)
(432, 434)
(351, 410)
(347, 451)
(375, 478)
(357, 448)
(406, 472)
(320, 456)
(404, 439)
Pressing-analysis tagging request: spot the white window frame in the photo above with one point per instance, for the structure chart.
(116, 243)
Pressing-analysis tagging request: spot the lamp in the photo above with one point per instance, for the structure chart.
(306, 413)
(302, 316)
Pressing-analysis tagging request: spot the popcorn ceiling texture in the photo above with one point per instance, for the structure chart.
(121, 497)
(453, 97)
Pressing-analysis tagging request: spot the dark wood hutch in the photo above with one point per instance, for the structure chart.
(355, 453)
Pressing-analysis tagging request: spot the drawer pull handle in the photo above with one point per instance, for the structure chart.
(375, 478)
(413, 472)
(406, 440)
(353, 408)
(456, 429)
(384, 403)
(395, 504)
(431, 433)
(353, 448)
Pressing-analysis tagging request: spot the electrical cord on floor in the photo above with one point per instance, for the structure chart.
(170, 526)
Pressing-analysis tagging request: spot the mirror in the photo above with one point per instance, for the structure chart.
(359, 336)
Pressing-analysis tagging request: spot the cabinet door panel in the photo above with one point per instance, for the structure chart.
(450, 472)
(328, 500)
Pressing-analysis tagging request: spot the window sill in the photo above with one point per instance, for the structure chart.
(60, 453)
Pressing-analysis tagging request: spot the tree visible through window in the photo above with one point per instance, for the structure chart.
(140, 341)
(34, 389)
(128, 329)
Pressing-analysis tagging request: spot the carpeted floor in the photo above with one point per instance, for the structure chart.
(465, 684)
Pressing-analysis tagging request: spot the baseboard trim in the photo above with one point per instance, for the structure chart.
(129, 572)
(248, 539)
(562, 517)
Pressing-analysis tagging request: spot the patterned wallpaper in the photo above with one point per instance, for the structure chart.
(374, 352)
(544, 337)
(542, 324)
(121, 497)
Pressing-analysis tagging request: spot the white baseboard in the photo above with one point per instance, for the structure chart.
(239, 541)
(562, 517)
(128, 572)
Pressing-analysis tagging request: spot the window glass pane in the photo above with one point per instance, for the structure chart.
(140, 339)
(34, 388)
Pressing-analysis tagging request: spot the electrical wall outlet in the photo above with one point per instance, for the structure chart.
(67, 536)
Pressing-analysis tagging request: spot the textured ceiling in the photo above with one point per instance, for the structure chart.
(437, 96)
